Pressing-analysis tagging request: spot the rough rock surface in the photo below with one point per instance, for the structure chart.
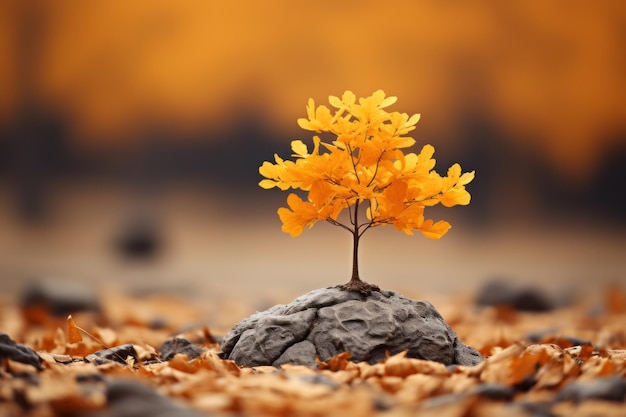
(329, 321)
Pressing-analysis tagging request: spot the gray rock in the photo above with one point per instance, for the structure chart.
(301, 353)
(329, 321)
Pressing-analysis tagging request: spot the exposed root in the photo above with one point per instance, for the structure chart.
(359, 286)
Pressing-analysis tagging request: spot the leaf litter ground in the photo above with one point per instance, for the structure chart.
(157, 356)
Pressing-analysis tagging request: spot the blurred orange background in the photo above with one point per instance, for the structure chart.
(149, 119)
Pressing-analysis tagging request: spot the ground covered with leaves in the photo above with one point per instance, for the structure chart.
(158, 355)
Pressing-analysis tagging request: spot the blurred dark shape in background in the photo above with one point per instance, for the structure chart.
(150, 100)
(42, 299)
(502, 293)
(139, 238)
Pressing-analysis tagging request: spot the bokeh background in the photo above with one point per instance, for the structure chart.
(131, 134)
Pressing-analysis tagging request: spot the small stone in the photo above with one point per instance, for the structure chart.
(609, 389)
(496, 392)
(92, 377)
(119, 354)
(326, 322)
(9, 349)
(128, 398)
(176, 345)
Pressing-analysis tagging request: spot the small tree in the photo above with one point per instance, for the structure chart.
(363, 166)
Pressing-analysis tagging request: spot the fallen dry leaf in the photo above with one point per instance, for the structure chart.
(579, 368)
(73, 331)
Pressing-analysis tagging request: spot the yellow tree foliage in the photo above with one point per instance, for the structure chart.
(363, 165)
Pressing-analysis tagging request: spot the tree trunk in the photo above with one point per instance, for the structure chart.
(355, 283)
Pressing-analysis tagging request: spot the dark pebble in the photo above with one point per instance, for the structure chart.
(610, 389)
(9, 349)
(494, 392)
(117, 354)
(539, 409)
(175, 345)
(90, 378)
(31, 379)
(128, 398)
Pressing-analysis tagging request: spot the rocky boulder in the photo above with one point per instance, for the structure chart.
(329, 321)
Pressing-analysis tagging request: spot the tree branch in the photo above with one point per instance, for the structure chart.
(336, 223)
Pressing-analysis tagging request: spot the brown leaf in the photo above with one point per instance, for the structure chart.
(211, 361)
(391, 384)
(399, 365)
(397, 386)
(73, 331)
(338, 362)
(182, 363)
(529, 362)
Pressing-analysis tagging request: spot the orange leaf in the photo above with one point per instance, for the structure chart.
(338, 362)
(73, 331)
(400, 365)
